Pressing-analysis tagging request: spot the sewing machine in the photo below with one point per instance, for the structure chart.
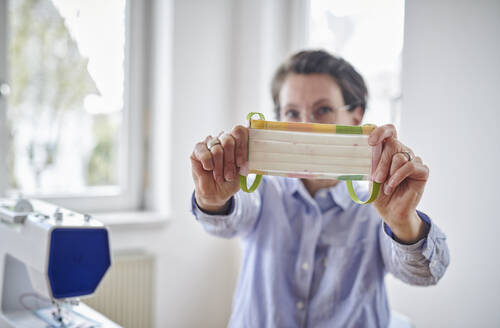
(49, 257)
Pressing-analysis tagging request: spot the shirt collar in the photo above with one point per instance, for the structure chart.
(339, 192)
(340, 195)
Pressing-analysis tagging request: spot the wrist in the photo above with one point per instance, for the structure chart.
(213, 207)
(413, 230)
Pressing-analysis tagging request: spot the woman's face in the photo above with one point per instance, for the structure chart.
(315, 98)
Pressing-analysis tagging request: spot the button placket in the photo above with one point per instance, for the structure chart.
(306, 257)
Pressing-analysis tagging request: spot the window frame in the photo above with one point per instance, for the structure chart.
(128, 195)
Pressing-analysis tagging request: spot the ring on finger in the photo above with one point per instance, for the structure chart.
(214, 141)
(408, 154)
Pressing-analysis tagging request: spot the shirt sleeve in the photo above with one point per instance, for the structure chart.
(242, 218)
(422, 263)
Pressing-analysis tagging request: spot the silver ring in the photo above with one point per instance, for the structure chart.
(214, 141)
(409, 154)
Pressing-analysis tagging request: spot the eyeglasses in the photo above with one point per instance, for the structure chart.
(323, 114)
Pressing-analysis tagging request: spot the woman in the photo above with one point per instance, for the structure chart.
(311, 256)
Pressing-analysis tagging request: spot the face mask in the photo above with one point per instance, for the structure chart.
(310, 151)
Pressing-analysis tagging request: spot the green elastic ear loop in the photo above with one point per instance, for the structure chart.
(258, 178)
(373, 195)
(255, 184)
(261, 116)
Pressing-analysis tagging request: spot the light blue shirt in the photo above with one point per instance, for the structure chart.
(318, 262)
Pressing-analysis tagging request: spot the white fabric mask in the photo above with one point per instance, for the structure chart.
(310, 151)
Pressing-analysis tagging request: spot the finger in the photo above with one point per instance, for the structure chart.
(228, 143)
(376, 154)
(381, 133)
(203, 180)
(197, 166)
(413, 170)
(398, 160)
(244, 169)
(218, 158)
(381, 172)
(240, 135)
(203, 154)
(418, 160)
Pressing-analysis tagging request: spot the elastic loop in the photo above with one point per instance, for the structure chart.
(261, 116)
(375, 186)
(255, 184)
(258, 177)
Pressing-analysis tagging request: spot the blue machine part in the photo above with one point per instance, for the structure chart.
(78, 260)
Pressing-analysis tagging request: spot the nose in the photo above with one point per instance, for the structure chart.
(308, 117)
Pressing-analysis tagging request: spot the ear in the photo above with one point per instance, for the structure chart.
(357, 115)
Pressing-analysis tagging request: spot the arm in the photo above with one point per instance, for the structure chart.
(216, 203)
(402, 177)
(239, 219)
(422, 263)
(413, 247)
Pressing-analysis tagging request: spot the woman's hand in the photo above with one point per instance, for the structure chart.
(402, 177)
(215, 169)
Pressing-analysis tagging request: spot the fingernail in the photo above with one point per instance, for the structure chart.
(244, 169)
(378, 177)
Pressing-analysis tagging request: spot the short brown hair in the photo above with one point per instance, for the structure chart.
(351, 83)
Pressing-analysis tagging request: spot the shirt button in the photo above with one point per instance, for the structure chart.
(300, 305)
(325, 262)
(305, 266)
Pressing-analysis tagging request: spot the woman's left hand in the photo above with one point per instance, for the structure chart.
(402, 177)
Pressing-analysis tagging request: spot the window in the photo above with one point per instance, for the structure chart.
(368, 34)
(68, 110)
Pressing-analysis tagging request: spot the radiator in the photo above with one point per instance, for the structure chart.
(126, 293)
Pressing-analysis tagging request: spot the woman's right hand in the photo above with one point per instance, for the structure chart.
(215, 170)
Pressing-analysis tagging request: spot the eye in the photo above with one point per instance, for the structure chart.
(292, 114)
(324, 110)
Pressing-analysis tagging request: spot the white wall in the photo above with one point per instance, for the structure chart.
(196, 272)
(189, 78)
(451, 117)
